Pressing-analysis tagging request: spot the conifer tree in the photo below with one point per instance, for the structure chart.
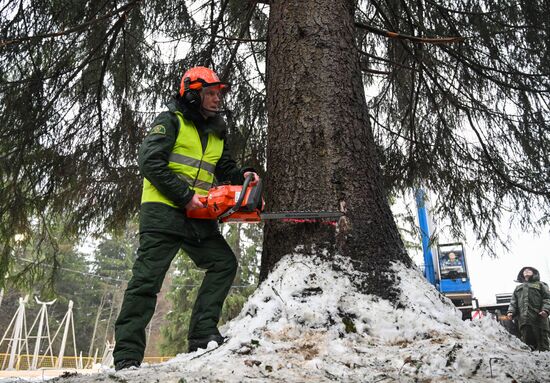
(457, 101)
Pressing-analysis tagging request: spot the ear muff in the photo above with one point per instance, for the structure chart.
(191, 96)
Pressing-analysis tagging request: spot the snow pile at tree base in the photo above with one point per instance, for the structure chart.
(307, 323)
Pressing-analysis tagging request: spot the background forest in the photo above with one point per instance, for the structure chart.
(95, 280)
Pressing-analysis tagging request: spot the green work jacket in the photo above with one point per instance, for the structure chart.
(168, 214)
(528, 300)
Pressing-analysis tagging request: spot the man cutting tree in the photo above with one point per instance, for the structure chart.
(183, 154)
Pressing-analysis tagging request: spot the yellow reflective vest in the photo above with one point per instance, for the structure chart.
(189, 162)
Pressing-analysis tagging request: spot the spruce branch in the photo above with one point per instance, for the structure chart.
(18, 40)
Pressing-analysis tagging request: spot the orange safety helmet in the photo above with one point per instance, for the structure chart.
(200, 77)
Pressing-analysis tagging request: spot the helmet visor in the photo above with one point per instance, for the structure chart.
(223, 87)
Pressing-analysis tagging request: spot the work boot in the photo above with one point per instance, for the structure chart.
(126, 363)
(197, 343)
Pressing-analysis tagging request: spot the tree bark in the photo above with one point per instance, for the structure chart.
(321, 152)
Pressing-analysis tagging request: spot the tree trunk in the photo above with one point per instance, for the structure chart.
(321, 152)
(236, 246)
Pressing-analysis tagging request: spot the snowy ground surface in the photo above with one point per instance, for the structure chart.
(307, 323)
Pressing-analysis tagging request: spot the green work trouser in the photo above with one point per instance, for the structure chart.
(155, 253)
(535, 337)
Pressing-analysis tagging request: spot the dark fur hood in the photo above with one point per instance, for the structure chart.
(534, 278)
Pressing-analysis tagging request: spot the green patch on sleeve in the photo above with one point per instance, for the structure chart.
(158, 129)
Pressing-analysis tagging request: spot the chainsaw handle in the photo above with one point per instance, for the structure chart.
(240, 200)
(252, 183)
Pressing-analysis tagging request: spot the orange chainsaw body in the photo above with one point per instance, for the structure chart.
(227, 204)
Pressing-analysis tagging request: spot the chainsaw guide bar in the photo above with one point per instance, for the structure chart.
(309, 215)
(244, 203)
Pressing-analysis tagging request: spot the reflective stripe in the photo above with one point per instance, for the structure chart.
(195, 183)
(185, 160)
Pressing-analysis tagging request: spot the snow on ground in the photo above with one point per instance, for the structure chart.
(307, 323)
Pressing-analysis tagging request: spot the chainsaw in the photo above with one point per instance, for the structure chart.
(244, 203)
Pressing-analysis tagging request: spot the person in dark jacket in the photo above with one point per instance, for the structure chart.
(180, 159)
(530, 306)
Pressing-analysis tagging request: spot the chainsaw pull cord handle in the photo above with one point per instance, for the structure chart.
(240, 200)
